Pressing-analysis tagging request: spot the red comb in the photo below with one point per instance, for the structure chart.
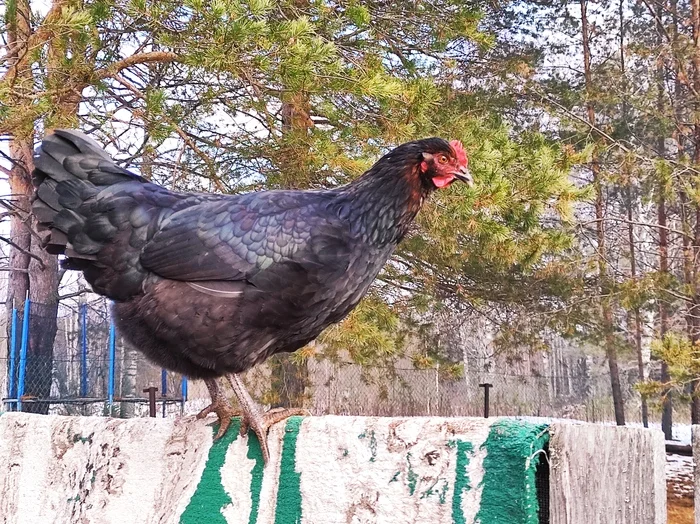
(459, 150)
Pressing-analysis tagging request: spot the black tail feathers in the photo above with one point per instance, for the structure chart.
(70, 169)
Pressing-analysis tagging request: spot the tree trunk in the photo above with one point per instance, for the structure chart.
(606, 309)
(36, 274)
(638, 326)
(20, 150)
(695, 306)
(662, 219)
(289, 379)
(667, 409)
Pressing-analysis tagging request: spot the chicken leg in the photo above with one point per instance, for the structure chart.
(219, 405)
(253, 417)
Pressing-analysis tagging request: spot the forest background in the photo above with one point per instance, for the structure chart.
(576, 255)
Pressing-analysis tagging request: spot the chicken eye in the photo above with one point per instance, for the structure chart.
(442, 159)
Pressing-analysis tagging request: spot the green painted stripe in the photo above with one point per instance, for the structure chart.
(255, 453)
(509, 493)
(210, 497)
(288, 509)
(461, 484)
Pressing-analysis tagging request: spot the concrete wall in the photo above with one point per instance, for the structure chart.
(607, 475)
(324, 470)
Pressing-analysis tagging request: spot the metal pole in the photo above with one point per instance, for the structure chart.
(486, 387)
(164, 387)
(183, 391)
(83, 350)
(13, 354)
(151, 400)
(163, 383)
(23, 352)
(112, 354)
(24, 341)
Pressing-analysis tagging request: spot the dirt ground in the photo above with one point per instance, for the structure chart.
(679, 484)
(680, 511)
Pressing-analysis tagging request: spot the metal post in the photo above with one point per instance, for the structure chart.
(13, 355)
(112, 354)
(83, 351)
(23, 353)
(163, 387)
(183, 391)
(486, 387)
(151, 400)
(163, 383)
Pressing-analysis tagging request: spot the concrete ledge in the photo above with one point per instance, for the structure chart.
(607, 474)
(324, 470)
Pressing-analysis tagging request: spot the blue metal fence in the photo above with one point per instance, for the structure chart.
(23, 352)
(83, 351)
(112, 355)
(11, 392)
(18, 367)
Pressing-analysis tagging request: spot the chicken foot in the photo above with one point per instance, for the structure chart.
(219, 405)
(253, 417)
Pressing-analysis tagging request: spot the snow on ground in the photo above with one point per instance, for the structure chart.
(679, 468)
(681, 433)
(679, 475)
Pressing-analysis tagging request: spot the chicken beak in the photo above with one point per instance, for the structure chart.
(464, 175)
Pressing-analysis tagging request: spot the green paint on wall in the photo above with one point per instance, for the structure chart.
(509, 493)
(464, 449)
(288, 510)
(373, 446)
(441, 491)
(210, 498)
(411, 475)
(79, 438)
(255, 453)
(372, 443)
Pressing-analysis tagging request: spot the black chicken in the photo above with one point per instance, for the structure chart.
(209, 285)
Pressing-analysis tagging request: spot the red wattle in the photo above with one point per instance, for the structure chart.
(442, 181)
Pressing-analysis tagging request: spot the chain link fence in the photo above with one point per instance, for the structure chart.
(88, 372)
(349, 389)
(328, 388)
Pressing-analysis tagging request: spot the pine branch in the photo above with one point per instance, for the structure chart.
(23, 251)
(38, 38)
(185, 137)
(161, 57)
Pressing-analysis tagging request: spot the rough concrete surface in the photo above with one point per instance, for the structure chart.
(323, 470)
(607, 475)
